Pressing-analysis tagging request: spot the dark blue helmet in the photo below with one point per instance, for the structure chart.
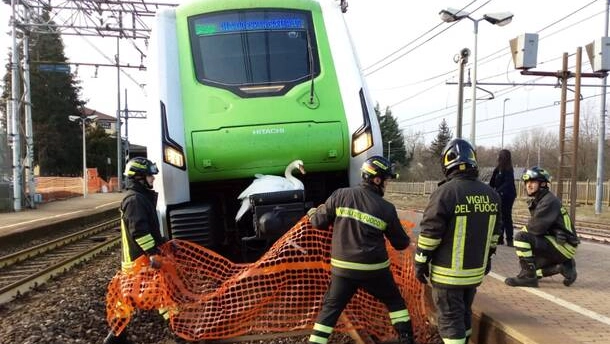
(140, 167)
(458, 153)
(377, 166)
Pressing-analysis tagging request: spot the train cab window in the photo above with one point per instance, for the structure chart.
(254, 52)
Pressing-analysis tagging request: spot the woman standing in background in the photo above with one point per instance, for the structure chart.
(503, 181)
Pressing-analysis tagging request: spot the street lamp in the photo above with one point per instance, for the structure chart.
(84, 120)
(503, 114)
(502, 18)
(389, 142)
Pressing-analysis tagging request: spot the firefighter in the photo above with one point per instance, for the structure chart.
(139, 223)
(361, 220)
(547, 244)
(459, 234)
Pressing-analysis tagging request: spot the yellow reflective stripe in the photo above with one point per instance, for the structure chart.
(317, 339)
(164, 313)
(454, 341)
(456, 280)
(137, 165)
(459, 241)
(566, 249)
(457, 273)
(146, 242)
(566, 219)
(399, 316)
(492, 239)
(427, 243)
(524, 253)
(522, 244)
(127, 266)
(420, 258)
(126, 261)
(322, 328)
(362, 217)
(358, 266)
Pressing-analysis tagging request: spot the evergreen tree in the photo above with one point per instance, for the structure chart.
(57, 141)
(100, 147)
(440, 141)
(392, 134)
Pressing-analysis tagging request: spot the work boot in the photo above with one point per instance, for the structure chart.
(405, 339)
(527, 276)
(405, 332)
(509, 243)
(568, 271)
(111, 338)
(551, 270)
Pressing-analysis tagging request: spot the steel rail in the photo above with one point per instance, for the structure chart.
(56, 243)
(35, 268)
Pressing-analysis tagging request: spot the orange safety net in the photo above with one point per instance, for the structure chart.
(209, 297)
(57, 188)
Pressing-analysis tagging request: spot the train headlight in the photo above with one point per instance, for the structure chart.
(361, 141)
(173, 157)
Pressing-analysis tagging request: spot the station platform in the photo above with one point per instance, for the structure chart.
(56, 212)
(552, 313)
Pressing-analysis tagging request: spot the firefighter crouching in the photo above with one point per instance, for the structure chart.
(547, 244)
(459, 233)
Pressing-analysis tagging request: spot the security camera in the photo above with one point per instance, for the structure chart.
(465, 53)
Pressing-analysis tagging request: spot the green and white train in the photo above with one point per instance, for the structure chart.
(244, 87)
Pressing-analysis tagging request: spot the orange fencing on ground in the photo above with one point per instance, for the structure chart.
(210, 297)
(57, 188)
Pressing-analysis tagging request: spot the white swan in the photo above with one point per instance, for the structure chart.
(269, 183)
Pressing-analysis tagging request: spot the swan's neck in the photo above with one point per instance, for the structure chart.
(289, 176)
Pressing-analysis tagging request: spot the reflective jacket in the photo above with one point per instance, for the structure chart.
(361, 221)
(548, 217)
(459, 227)
(140, 233)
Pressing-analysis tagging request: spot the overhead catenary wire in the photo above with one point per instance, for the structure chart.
(493, 57)
(413, 41)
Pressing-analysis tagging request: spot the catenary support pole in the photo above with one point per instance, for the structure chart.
(15, 132)
(119, 143)
(27, 105)
(601, 140)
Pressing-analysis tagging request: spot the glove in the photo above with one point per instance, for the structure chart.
(311, 212)
(155, 261)
(173, 246)
(492, 251)
(488, 267)
(561, 237)
(422, 271)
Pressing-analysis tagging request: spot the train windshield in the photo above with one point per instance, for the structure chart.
(254, 48)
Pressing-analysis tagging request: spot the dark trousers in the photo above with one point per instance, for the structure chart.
(507, 219)
(341, 290)
(544, 249)
(453, 306)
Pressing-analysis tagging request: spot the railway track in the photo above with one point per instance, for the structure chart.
(23, 270)
(593, 231)
(587, 230)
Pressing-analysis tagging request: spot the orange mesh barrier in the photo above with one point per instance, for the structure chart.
(57, 188)
(210, 297)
